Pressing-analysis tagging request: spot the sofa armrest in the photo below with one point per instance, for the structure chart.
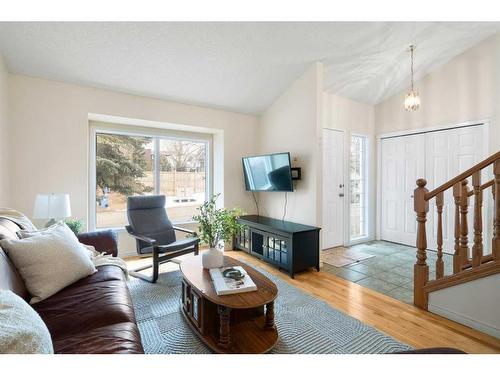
(104, 241)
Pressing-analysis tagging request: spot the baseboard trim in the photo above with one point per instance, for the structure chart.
(465, 320)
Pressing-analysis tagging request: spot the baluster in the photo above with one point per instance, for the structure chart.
(495, 245)
(421, 269)
(439, 260)
(477, 248)
(457, 261)
(464, 227)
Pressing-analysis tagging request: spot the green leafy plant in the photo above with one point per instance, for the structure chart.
(76, 225)
(216, 224)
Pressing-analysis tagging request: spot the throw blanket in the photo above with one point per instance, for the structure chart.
(99, 259)
(18, 218)
(103, 259)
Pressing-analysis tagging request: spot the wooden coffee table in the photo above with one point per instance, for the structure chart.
(236, 323)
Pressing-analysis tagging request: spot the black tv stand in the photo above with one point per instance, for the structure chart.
(290, 246)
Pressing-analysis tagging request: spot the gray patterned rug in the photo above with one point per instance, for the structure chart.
(305, 324)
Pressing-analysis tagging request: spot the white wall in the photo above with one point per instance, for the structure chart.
(474, 304)
(293, 123)
(354, 118)
(464, 89)
(50, 131)
(4, 137)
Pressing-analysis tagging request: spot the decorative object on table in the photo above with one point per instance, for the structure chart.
(75, 224)
(52, 206)
(231, 280)
(412, 99)
(155, 234)
(216, 226)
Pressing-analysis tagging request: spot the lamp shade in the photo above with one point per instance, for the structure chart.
(51, 206)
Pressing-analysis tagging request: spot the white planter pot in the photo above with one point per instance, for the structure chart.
(212, 258)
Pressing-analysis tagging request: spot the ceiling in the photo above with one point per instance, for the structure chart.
(235, 66)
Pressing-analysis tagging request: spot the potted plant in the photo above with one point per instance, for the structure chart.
(216, 226)
(76, 225)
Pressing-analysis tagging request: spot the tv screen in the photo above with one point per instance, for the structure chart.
(268, 172)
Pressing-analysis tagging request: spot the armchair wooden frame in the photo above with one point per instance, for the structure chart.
(160, 253)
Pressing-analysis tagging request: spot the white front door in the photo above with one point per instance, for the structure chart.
(402, 164)
(333, 188)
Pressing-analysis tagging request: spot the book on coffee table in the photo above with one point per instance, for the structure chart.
(225, 285)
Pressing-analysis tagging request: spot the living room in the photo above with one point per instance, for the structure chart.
(286, 152)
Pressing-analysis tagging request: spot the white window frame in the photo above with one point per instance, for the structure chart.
(365, 178)
(156, 134)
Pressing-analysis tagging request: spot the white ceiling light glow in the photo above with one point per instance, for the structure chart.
(412, 99)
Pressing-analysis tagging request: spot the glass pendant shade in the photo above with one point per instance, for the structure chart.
(412, 101)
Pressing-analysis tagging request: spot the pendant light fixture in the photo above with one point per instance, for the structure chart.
(412, 99)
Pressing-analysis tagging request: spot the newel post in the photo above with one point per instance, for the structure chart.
(421, 269)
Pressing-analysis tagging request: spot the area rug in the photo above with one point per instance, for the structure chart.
(305, 324)
(341, 256)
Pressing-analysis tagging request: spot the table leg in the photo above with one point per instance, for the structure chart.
(270, 316)
(224, 329)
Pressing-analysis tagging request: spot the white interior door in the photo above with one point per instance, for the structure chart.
(436, 156)
(401, 164)
(449, 153)
(333, 188)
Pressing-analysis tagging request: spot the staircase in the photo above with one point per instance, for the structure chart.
(469, 262)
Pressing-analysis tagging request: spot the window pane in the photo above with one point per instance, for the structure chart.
(182, 177)
(124, 166)
(357, 174)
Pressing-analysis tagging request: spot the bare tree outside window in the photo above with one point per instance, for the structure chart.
(125, 166)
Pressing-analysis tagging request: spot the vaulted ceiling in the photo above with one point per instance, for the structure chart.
(241, 67)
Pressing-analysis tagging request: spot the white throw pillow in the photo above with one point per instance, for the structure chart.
(22, 331)
(38, 232)
(50, 261)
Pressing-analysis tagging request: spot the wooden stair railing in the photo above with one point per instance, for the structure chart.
(464, 269)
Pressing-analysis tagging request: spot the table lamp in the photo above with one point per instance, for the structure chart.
(51, 206)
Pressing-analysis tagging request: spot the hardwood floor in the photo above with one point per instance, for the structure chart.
(404, 322)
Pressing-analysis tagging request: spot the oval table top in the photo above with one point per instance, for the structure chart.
(199, 278)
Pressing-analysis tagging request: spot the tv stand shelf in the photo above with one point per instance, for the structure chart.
(290, 246)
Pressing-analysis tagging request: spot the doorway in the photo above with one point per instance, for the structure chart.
(333, 188)
(437, 156)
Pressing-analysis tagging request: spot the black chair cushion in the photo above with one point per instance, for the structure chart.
(178, 245)
(147, 216)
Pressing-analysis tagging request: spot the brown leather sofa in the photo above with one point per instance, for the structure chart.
(93, 315)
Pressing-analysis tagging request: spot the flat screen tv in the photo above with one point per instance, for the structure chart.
(268, 172)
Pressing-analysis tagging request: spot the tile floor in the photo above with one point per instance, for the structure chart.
(390, 271)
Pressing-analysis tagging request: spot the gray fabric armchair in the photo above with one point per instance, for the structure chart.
(155, 234)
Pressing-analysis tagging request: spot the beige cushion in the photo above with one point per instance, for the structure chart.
(50, 261)
(22, 330)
